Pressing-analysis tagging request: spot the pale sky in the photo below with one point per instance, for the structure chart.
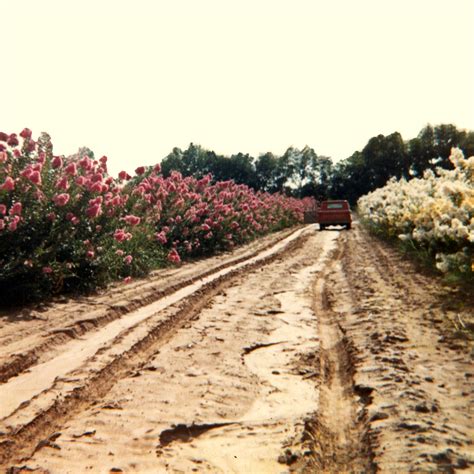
(133, 79)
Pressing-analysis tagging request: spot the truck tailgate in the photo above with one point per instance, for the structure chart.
(334, 216)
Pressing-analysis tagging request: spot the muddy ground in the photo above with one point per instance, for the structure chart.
(306, 351)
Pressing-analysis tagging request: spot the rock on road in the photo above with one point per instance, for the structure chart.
(304, 352)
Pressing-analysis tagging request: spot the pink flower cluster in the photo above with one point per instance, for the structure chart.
(124, 220)
(194, 216)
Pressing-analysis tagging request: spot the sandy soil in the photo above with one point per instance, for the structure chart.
(305, 352)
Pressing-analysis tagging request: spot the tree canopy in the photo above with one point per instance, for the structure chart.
(302, 172)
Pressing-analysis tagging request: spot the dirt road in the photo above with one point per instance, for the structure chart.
(304, 352)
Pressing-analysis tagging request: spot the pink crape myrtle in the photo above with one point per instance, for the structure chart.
(78, 227)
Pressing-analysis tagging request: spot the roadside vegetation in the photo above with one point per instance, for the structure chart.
(66, 225)
(304, 172)
(432, 215)
(422, 192)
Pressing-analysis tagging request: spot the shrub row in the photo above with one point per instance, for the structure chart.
(433, 215)
(66, 225)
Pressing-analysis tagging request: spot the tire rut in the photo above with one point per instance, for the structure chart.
(338, 437)
(418, 377)
(18, 445)
(149, 293)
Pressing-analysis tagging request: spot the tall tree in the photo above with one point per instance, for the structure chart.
(238, 167)
(384, 157)
(172, 162)
(432, 147)
(265, 172)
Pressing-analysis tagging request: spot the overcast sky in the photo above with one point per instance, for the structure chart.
(133, 79)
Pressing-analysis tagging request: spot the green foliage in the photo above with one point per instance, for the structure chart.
(302, 173)
(298, 173)
(385, 157)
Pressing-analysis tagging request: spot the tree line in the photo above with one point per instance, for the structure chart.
(302, 172)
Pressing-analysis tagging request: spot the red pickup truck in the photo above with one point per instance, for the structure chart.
(330, 213)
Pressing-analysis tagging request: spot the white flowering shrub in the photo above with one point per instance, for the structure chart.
(434, 213)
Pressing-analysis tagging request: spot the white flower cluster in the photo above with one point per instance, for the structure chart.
(436, 212)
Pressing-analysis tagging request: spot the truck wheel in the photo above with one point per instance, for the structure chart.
(348, 226)
(321, 227)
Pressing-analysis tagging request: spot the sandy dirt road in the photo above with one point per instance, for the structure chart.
(304, 352)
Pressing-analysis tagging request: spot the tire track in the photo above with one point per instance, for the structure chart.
(338, 437)
(419, 415)
(19, 443)
(387, 393)
(207, 376)
(149, 293)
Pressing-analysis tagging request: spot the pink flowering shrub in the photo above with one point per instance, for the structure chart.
(58, 217)
(194, 217)
(65, 224)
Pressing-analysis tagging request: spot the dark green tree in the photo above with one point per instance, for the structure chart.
(173, 161)
(432, 147)
(265, 172)
(239, 167)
